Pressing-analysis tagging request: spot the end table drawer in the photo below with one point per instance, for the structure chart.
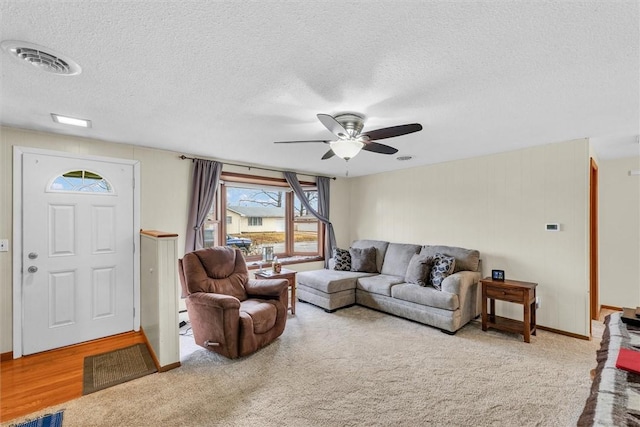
(505, 294)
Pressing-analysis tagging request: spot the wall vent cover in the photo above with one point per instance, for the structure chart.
(41, 57)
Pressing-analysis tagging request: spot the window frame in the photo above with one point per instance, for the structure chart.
(238, 179)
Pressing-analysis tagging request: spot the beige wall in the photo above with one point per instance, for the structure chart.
(165, 180)
(619, 232)
(498, 204)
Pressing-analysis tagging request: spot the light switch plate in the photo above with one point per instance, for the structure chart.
(4, 245)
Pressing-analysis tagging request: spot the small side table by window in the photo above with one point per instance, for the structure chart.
(515, 291)
(290, 275)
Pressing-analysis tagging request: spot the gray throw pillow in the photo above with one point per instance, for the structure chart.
(419, 269)
(363, 260)
(342, 259)
(443, 266)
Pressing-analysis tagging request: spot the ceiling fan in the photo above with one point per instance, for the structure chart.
(348, 127)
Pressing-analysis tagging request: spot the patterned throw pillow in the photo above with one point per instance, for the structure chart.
(419, 269)
(363, 260)
(443, 266)
(342, 259)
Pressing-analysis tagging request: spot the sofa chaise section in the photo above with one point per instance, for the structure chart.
(328, 289)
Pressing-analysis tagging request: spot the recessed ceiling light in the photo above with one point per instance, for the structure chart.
(65, 120)
(404, 158)
(41, 57)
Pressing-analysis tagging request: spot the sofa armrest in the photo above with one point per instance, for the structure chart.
(266, 288)
(465, 285)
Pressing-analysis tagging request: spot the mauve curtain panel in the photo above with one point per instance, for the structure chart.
(204, 184)
(323, 209)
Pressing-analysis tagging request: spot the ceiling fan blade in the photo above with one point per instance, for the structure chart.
(392, 131)
(329, 154)
(333, 125)
(298, 142)
(379, 148)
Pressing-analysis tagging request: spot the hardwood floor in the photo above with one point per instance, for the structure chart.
(35, 382)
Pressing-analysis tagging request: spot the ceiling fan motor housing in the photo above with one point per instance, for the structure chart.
(351, 122)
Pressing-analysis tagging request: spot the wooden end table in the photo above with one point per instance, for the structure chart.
(515, 291)
(285, 273)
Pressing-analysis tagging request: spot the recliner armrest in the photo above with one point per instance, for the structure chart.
(215, 300)
(266, 288)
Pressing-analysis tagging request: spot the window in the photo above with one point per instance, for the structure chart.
(267, 214)
(229, 219)
(255, 221)
(80, 181)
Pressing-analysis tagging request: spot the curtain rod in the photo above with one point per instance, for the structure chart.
(183, 157)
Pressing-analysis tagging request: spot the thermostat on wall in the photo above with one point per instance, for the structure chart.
(552, 226)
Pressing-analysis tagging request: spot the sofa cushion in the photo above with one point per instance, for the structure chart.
(466, 259)
(443, 266)
(397, 257)
(380, 284)
(363, 259)
(329, 281)
(419, 269)
(380, 245)
(342, 260)
(425, 296)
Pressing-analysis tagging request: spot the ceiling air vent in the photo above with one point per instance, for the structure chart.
(41, 57)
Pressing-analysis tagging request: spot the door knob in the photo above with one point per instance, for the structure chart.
(32, 255)
(32, 269)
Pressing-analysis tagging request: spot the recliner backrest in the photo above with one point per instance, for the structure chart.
(221, 270)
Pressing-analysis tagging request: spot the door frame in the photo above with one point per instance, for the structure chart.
(594, 285)
(17, 233)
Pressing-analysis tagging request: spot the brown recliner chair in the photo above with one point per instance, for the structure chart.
(229, 313)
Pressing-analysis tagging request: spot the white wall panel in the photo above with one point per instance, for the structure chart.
(103, 295)
(62, 230)
(62, 298)
(103, 229)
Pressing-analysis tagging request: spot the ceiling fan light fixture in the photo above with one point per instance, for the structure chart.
(346, 148)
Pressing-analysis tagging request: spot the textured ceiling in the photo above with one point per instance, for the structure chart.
(225, 79)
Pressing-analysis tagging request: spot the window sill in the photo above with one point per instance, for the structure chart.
(253, 265)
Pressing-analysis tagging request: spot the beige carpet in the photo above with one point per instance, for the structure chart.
(358, 367)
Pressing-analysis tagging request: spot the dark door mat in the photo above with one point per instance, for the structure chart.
(116, 367)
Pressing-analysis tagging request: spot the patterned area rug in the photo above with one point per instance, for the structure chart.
(49, 420)
(116, 367)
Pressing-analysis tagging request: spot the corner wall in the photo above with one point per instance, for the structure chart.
(619, 232)
(498, 204)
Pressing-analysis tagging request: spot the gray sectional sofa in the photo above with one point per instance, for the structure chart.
(386, 290)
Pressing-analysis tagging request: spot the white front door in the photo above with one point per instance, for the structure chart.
(77, 250)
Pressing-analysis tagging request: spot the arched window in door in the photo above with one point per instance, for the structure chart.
(81, 181)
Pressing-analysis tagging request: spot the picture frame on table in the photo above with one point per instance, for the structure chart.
(497, 275)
